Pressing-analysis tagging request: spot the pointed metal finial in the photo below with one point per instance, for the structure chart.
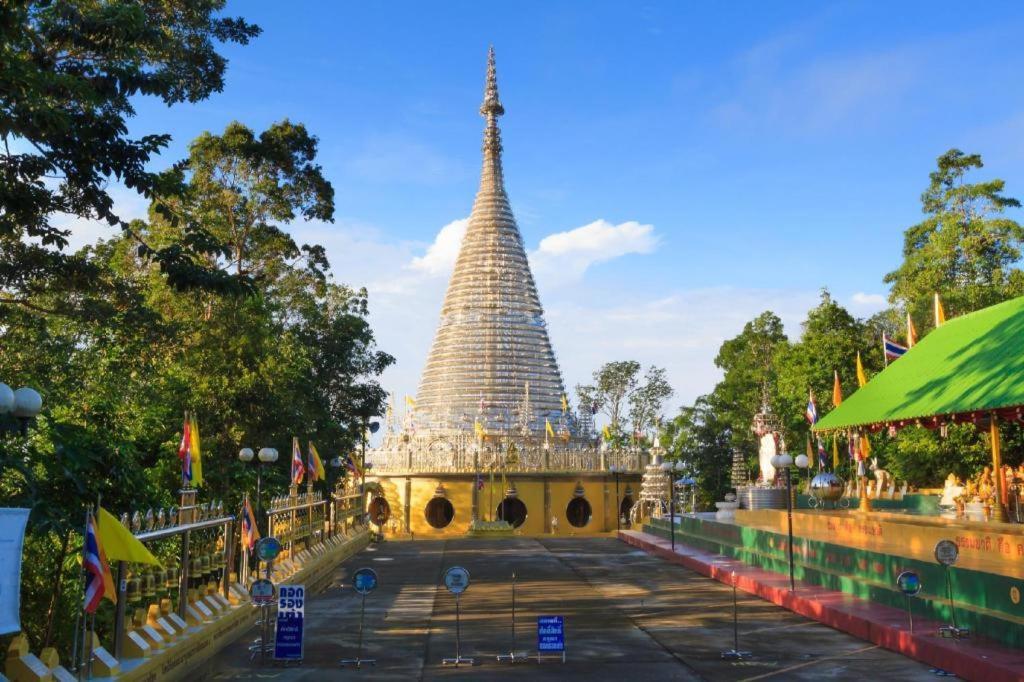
(492, 104)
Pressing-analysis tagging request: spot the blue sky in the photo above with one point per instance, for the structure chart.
(741, 155)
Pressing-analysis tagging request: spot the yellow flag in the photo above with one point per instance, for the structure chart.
(478, 428)
(835, 453)
(565, 404)
(547, 429)
(861, 377)
(410, 402)
(837, 392)
(197, 456)
(606, 433)
(940, 314)
(118, 542)
(316, 464)
(911, 331)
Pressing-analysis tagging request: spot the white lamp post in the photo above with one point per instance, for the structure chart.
(23, 404)
(265, 456)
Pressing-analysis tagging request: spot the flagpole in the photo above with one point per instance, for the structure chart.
(80, 657)
(885, 355)
(80, 639)
(244, 563)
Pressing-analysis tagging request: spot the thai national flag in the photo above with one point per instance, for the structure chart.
(98, 581)
(892, 349)
(812, 410)
(298, 468)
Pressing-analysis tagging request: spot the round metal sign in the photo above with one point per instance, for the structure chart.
(364, 580)
(909, 583)
(267, 549)
(456, 579)
(946, 552)
(262, 591)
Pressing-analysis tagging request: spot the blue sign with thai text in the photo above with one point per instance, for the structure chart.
(550, 633)
(291, 609)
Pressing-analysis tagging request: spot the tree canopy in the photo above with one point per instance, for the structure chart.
(69, 72)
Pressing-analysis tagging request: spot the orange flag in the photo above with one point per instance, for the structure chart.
(837, 392)
(940, 314)
(911, 332)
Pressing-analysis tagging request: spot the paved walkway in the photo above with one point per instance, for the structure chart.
(628, 615)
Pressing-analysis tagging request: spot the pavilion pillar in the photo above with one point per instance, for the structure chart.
(998, 511)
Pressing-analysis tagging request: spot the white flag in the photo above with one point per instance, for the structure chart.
(12, 536)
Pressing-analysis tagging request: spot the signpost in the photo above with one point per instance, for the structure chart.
(263, 594)
(734, 654)
(946, 553)
(291, 609)
(456, 580)
(511, 655)
(364, 581)
(550, 636)
(909, 583)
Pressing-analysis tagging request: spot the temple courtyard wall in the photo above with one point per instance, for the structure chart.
(547, 496)
(861, 555)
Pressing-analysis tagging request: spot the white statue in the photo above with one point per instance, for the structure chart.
(765, 453)
(951, 491)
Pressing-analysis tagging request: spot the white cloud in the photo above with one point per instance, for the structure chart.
(868, 304)
(567, 255)
(775, 86)
(680, 331)
(440, 256)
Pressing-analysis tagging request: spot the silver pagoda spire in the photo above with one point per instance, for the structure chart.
(491, 359)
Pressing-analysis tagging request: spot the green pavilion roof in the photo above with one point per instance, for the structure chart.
(973, 363)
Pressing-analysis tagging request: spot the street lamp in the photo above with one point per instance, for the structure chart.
(784, 461)
(265, 456)
(23, 404)
(616, 470)
(669, 468)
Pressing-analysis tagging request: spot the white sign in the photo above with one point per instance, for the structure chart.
(456, 579)
(12, 536)
(291, 610)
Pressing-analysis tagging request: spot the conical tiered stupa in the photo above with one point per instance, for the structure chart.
(491, 360)
(491, 403)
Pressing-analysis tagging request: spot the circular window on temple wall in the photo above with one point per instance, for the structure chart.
(513, 510)
(380, 511)
(578, 512)
(439, 512)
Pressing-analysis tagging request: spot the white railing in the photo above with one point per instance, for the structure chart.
(418, 457)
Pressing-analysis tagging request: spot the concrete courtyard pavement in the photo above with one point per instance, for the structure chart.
(627, 615)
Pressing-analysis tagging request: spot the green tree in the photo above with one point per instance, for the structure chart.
(647, 400)
(613, 383)
(966, 248)
(69, 71)
(698, 437)
(295, 358)
(747, 362)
